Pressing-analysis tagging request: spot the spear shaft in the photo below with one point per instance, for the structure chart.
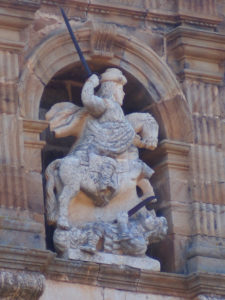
(87, 69)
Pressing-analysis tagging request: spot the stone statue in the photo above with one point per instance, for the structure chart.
(102, 161)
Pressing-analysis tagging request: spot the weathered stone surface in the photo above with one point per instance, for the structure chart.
(34, 45)
(34, 192)
(21, 285)
(209, 297)
(59, 290)
(198, 57)
(31, 233)
(56, 290)
(144, 263)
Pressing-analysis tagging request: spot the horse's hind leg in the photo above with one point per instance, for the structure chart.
(67, 194)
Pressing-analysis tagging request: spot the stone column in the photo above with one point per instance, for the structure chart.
(208, 179)
(171, 164)
(21, 211)
(198, 59)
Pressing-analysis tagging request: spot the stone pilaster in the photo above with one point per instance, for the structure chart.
(170, 181)
(19, 226)
(207, 178)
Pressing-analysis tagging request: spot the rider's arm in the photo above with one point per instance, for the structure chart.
(95, 105)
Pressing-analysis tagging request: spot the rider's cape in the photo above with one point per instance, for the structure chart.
(110, 138)
(67, 119)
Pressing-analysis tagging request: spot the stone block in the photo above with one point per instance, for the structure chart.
(29, 93)
(179, 218)
(154, 41)
(119, 278)
(21, 233)
(171, 253)
(32, 159)
(110, 294)
(56, 290)
(207, 254)
(35, 195)
(206, 264)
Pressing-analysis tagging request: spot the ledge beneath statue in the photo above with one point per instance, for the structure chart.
(144, 263)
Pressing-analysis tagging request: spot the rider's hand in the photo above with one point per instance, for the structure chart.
(94, 79)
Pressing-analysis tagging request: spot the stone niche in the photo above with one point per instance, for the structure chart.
(155, 90)
(66, 85)
(170, 159)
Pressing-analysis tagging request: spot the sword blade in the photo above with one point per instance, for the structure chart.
(72, 35)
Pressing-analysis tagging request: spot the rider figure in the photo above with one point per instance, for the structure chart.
(108, 133)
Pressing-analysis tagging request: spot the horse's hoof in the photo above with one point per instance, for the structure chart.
(63, 224)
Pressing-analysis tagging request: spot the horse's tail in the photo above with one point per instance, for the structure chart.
(51, 200)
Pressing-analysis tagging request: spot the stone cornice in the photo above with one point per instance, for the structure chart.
(196, 54)
(137, 280)
(11, 45)
(176, 14)
(150, 12)
(197, 39)
(17, 14)
(30, 5)
(110, 276)
(24, 258)
(34, 126)
(183, 18)
(19, 225)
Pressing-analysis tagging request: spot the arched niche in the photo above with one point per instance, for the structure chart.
(152, 87)
(106, 45)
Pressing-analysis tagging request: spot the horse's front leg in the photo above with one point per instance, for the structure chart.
(67, 194)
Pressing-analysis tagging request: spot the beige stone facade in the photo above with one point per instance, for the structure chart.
(173, 55)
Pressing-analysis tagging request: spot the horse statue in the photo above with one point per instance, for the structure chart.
(105, 153)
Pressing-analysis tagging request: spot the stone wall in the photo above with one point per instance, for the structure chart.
(173, 54)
